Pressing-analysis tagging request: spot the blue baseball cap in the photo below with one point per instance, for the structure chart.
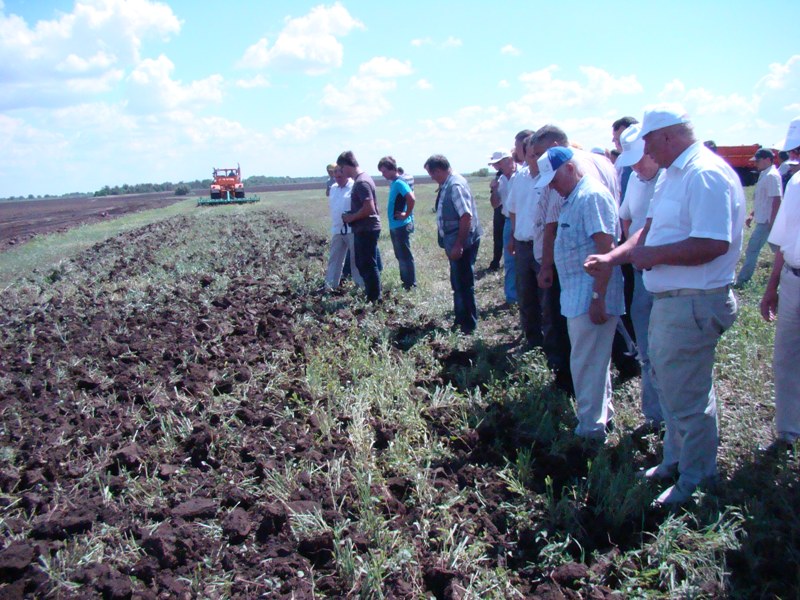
(549, 162)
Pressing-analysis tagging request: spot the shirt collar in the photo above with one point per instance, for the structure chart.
(575, 191)
(685, 156)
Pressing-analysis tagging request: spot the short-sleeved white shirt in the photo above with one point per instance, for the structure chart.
(504, 189)
(339, 202)
(786, 229)
(699, 195)
(518, 181)
(638, 195)
(768, 186)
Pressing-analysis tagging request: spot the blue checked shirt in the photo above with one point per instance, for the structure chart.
(589, 209)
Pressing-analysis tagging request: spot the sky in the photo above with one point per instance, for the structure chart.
(108, 92)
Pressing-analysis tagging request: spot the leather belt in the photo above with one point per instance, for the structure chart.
(691, 292)
(793, 270)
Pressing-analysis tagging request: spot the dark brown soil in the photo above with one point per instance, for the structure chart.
(20, 221)
(149, 415)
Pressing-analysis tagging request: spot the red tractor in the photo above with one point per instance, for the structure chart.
(227, 183)
(227, 187)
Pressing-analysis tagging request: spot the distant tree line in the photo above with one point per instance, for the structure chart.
(182, 188)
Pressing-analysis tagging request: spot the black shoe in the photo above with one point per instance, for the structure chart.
(493, 266)
(779, 447)
(563, 381)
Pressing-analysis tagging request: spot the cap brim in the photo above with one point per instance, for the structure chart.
(790, 144)
(628, 159)
(543, 180)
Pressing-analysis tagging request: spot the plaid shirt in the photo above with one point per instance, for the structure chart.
(589, 209)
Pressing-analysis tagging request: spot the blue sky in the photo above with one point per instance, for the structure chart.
(106, 92)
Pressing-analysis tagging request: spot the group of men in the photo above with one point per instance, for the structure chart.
(669, 207)
(356, 224)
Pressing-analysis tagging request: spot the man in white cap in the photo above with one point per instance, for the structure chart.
(499, 189)
(633, 214)
(688, 250)
(766, 200)
(588, 223)
(785, 277)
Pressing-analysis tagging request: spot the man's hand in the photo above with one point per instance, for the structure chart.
(597, 311)
(748, 220)
(400, 216)
(769, 304)
(347, 218)
(545, 277)
(597, 265)
(457, 251)
(643, 257)
(510, 247)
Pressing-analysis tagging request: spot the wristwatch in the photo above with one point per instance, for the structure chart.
(595, 296)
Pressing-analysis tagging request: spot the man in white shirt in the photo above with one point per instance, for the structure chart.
(688, 250)
(499, 189)
(633, 213)
(766, 201)
(785, 277)
(341, 234)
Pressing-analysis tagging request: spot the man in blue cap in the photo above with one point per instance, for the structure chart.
(588, 223)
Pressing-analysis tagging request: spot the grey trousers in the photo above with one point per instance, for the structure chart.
(784, 360)
(340, 244)
(590, 362)
(684, 331)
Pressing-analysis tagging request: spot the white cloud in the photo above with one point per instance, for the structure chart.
(364, 98)
(309, 44)
(151, 88)
(417, 42)
(452, 42)
(385, 68)
(545, 92)
(423, 84)
(78, 54)
(301, 130)
(510, 50)
(780, 77)
(503, 84)
(259, 81)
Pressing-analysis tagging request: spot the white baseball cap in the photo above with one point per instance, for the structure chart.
(792, 140)
(499, 155)
(658, 116)
(632, 147)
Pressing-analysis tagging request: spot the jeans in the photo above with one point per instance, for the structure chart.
(462, 280)
(366, 250)
(641, 306)
(401, 242)
(509, 266)
(757, 240)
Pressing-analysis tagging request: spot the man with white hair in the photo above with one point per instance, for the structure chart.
(785, 277)
(588, 222)
(688, 250)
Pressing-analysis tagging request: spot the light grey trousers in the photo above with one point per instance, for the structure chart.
(340, 244)
(684, 331)
(784, 359)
